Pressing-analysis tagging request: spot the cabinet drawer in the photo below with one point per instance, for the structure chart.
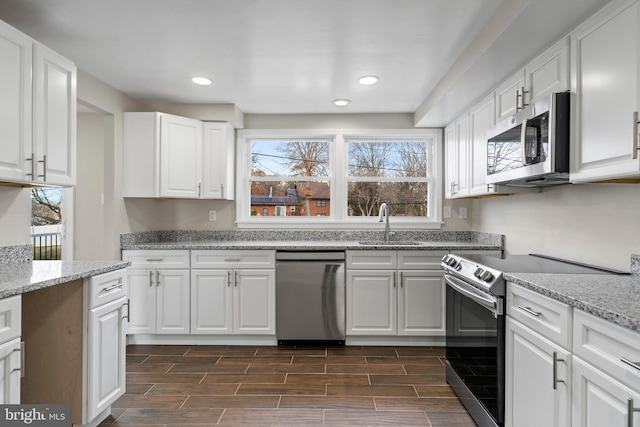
(612, 348)
(233, 259)
(550, 318)
(420, 260)
(10, 318)
(107, 287)
(157, 259)
(372, 260)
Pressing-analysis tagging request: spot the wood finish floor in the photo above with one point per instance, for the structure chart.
(189, 386)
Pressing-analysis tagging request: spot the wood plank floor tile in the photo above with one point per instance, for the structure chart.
(327, 402)
(434, 391)
(257, 360)
(435, 404)
(158, 349)
(136, 358)
(300, 417)
(145, 378)
(425, 370)
(416, 360)
(291, 351)
(149, 401)
(355, 417)
(366, 369)
(334, 360)
(213, 350)
(170, 416)
(323, 379)
(450, 419)
(213, 402)
(363, 351)
(142, 388)
(420, 351)
(282, 389)
(371, 390)
(192, 368)
(244, 378)
(158, 368)
(193, 389)
(173, 358)
(408, 379)
(298, 368)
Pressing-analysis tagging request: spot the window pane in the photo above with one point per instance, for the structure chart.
(290, 158)
(388, 158)
(290, 198)
(403, 198)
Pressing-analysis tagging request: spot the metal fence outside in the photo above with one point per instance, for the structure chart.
(47, 246)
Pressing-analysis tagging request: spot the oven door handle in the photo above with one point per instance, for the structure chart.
(462, 287)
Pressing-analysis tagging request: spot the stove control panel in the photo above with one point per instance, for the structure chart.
(480, 276)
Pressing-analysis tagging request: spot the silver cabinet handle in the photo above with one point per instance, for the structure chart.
(518, 100)
(21, 368)
(235, 278)
(128, 304)
(111, 288)
(636, 137)
(524, 104)
(529, 311)
(157, 278)
(232, 259)
(228, 279)
(401, 279)
(33, 166)
(222, 191)
(630, 412)
(630, 363)
(555, 370)
(150, 278)
(44, 168)
(155, 259)
(199, 189)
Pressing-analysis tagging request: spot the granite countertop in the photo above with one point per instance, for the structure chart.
(21, 277)
(615, 298)
(310, 240)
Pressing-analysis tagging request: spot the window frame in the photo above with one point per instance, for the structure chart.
(338, 178)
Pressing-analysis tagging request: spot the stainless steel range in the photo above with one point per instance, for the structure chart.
(475, 322)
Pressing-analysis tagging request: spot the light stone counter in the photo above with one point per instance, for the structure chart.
(615, 298)
(20, 277)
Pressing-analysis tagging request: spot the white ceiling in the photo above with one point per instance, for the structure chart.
(295, 56)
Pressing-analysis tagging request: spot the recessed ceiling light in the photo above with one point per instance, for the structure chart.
(202, 81)
(368, 80)
(341, 102)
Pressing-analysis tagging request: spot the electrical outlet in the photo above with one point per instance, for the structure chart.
(212, 215)
(446, 212)
(463, 213)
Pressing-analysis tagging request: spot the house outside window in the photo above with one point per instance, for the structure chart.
(339, 179)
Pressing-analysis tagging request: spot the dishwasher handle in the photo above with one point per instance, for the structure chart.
(310, 256)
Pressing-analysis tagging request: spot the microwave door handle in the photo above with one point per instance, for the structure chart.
(523, 142)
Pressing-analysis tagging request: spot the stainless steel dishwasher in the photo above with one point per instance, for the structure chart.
(310, 298)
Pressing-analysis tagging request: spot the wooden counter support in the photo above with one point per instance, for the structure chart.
(52, 320)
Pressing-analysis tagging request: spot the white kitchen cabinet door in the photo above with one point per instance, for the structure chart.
(372, 302)
(15, 104)
(54, 117)
(211, 301)
(180, 157)
(10, 370)
(599, 400)
(142, 300)
(509, 97)
(254, 308)
(106, 358)
(548, 73)
(173, 302)
(421, 303)
(531, 400)
(451, 159)
(461, 183)
(481, 118)
(219, 155)
(606, 53)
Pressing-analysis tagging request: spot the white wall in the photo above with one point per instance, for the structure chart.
(15, 216)
(592, 223)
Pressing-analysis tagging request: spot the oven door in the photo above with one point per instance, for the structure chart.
(475, 344)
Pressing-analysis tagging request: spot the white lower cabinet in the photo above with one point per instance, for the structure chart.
(537, 379)
(159, 292)
(233, 292)
(406, 300)
(10, 350)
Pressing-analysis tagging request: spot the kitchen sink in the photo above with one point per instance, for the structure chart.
(390, 243)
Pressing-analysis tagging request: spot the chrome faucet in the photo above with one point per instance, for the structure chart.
(384, 212)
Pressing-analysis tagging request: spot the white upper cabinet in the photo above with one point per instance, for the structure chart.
(15, 103)
(38, 120)
(167, 156)
(218, 172)
(54, 118)
(546, 74)
(606, 55)
(481, 118)
(457, 158)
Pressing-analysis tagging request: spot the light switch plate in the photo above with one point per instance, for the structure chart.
(463, 213)
(446, 212)
(212, 215)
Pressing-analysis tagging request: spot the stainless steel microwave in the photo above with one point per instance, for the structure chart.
(531, 148)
